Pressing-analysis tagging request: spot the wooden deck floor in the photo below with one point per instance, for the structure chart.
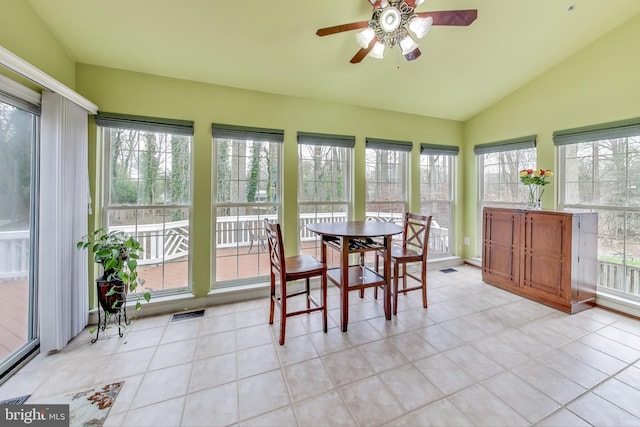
(13, 316)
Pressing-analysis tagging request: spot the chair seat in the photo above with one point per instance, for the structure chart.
(405, 255)
(302, 265)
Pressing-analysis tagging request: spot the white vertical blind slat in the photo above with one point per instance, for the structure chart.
(63, 290)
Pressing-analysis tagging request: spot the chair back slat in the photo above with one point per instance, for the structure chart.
(276, 248)
(416, 232)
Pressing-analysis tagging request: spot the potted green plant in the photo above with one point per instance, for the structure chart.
(118, 255)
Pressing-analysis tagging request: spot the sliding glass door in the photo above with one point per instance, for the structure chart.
(18, 141)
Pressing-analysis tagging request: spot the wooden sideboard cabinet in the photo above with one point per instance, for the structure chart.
(546, 256)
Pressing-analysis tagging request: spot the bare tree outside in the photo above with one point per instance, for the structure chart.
(323, 189)
(246, 192)
(386, 183)
(602, 176)
(149, 197)
(16, 134)
(436, 197)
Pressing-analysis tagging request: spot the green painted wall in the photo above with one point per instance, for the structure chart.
(141, 94)
(599, 84)
(24, 34)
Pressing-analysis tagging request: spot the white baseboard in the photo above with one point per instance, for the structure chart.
(188, 302)
(617, 303)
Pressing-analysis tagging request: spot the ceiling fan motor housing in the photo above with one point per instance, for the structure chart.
(389, 21)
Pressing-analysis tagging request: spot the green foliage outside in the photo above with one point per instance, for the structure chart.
(630, 263)
(16, 134)
(252, 185)
(150, 168)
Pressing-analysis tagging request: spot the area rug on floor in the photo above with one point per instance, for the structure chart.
(15, 401)
(89, 407)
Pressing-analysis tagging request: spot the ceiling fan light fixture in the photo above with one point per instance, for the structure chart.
(390, 19)
(377, 51)
(421, 26)
(407, 45)
(364, 37)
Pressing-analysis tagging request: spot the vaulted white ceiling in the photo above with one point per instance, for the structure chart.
(271, 46)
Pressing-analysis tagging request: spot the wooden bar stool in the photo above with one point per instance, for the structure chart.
(290, 269)
(414, 248)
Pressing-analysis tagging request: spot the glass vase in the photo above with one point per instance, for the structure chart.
(533, 201)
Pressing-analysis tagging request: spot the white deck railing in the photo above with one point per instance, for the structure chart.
(14, 254)
(169, 241)
(172, 242)
(614, 276)
(160, 244)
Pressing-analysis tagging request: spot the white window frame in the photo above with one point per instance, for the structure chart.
(25, 243)
(617, 281)
(374, 178)
(509, 175)
(244, 234)
(340, 207)
(441, 239)
(166, 244)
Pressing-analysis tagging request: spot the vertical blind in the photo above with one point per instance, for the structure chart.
(64, 189)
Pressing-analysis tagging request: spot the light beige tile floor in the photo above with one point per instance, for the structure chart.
(476, 356)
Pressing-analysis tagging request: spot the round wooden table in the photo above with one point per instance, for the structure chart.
(357, 237)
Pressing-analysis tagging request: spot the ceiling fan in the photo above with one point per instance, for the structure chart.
(395, 22)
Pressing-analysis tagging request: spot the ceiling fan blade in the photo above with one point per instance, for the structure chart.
(413, 54)
(341, 28)
(451, 17)
(359, 56)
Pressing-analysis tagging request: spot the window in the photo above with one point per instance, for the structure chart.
(499, 166)
(436, 195)
(19, 123)
(387, 171)
(147, 193)
(324, 179)
(598, 170)
(247, 190)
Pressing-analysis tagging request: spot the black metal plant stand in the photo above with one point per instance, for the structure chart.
(117, 312)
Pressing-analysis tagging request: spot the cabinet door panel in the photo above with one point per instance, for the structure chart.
(542, 273)
(500, 260)
(546, 254)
